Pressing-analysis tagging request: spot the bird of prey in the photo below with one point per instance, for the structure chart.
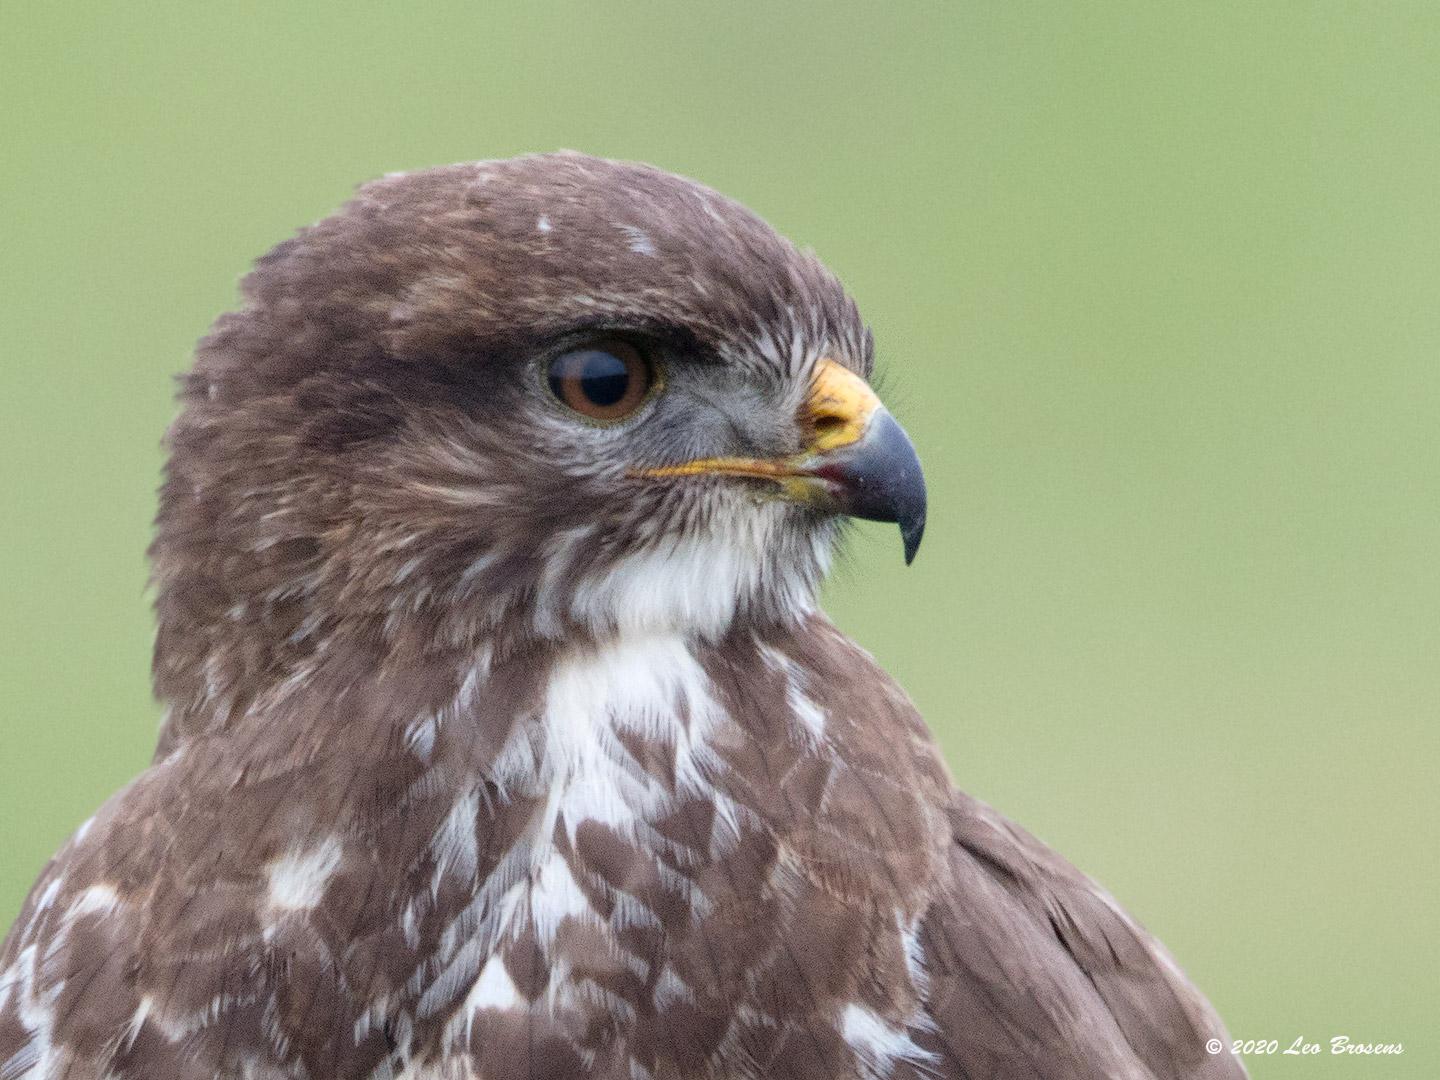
(504, 738)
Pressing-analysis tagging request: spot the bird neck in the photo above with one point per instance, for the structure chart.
(238, 673)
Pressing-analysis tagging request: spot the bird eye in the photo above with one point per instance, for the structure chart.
(604, 380)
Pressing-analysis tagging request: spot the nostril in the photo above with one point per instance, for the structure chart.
(825, 425)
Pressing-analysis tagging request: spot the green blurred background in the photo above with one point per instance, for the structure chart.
(1155, 289)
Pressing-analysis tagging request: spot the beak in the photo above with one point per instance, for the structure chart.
(857, 460)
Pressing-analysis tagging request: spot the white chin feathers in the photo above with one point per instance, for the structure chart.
(757, 562)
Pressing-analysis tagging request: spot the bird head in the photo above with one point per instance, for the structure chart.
(533, 398)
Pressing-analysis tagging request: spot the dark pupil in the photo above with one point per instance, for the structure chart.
(603, 376)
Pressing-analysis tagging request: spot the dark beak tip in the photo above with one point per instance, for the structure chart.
(884, 482)
(905, 487)
(910, 516)
(911, 534)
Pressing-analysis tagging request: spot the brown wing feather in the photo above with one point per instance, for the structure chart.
(1035, 972)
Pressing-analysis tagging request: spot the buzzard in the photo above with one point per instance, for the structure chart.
(504, 738)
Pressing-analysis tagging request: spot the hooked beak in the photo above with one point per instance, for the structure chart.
(857, 459)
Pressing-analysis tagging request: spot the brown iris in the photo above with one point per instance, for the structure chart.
(606, 379)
